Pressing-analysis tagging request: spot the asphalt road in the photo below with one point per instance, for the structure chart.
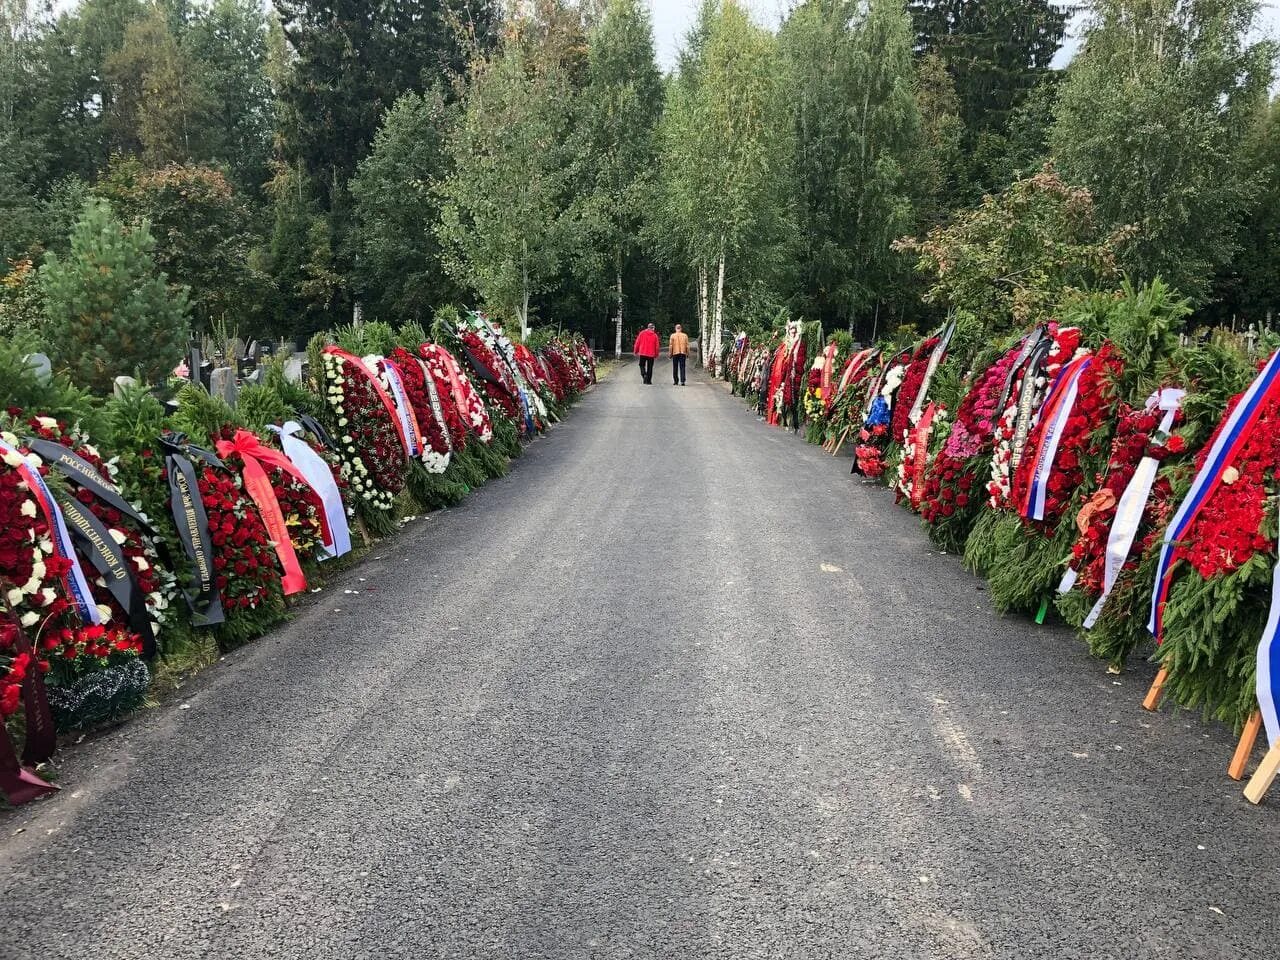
(679, 687)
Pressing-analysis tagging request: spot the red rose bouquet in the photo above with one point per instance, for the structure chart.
(1065, 342)
(565, 378)
(1027, 568)
(467, 403)
(1114, 628)
(496, 383)
(912, 380)
(156, 585)
(1081, 440)
(952, 496)
(428, 407)
(1221, 575)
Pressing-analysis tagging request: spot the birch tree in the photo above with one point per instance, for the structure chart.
(505, 227)
(1153, 118)
(727, 157)
(858, 129)
(621, 106)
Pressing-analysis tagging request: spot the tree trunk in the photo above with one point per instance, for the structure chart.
(717, 328)
(524, 283)
(704, 332)
(617, 343)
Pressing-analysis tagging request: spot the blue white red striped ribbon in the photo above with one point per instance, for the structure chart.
(1230, 438)
(1056, 411)
(74, 582)
(1269, 665)
(404, 412)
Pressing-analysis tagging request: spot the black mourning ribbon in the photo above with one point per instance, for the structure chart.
(192, 523)
(94, 540)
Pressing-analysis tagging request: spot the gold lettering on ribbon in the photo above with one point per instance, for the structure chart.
(199, 554)
(71, 512)
(84, 470)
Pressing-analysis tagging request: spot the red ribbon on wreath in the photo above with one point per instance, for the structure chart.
(920, 440)
(379, 389)
(258, 486)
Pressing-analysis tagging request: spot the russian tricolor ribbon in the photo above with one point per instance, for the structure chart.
(73, 581)
(1054, 415)
(1268, 680)
(1130, 507)
(1231, 437)
(410, 432)
(318, 475)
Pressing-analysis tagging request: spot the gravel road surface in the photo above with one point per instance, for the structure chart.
(679, 687)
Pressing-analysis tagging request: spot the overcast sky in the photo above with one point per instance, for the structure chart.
(672, 18)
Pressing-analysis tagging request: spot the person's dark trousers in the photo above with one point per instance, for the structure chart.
(677, 367)
(646, 369)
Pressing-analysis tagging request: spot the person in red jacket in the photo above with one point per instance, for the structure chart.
(647, 348)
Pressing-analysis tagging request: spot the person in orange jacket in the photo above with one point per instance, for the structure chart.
(679, 350)
(647, 348)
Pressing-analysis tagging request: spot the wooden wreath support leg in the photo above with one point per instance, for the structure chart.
(1152, 699)
(1266, 772)
(840, 442)
(1244, 749)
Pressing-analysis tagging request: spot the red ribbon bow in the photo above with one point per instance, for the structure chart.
(257, 484)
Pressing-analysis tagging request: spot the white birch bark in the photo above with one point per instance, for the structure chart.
(617, 343)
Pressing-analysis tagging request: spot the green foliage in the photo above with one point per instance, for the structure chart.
(433, 491)
(161, 105)
(399, 274)
(21, 307)
(108, 310)
(1151, 119)
(202, 417)
(1013, 259)
(505, 224)
(996, 52)
(615, 145)
(257, 405)
(58, 398)
(858, 129)
(202, 232)
(300, 257)
(350, 60)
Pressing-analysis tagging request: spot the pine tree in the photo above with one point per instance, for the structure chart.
(997, 52)
(108, 311)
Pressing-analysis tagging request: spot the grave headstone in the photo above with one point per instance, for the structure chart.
(122, 384)
(40, 365)
(222, 384)
(294, 367)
